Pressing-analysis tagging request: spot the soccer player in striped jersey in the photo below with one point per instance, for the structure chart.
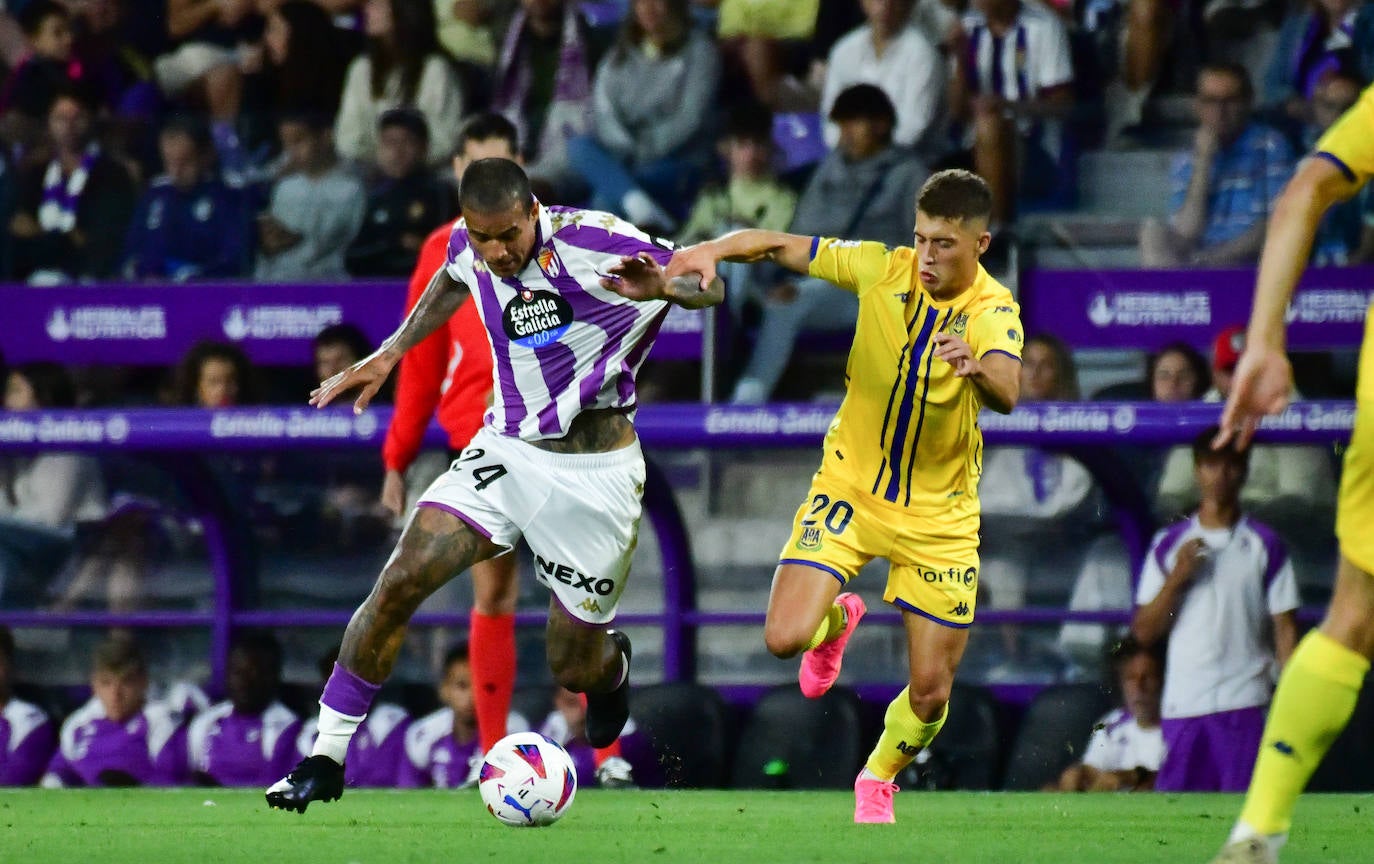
(937, 340)
(571, 300)
(1319, 686)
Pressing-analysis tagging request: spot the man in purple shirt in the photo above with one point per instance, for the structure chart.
(26, 732)
(443, 749)
(249, 738)
(377, 751)
(118, 738)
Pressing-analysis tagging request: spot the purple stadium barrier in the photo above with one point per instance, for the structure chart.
(1083, 430)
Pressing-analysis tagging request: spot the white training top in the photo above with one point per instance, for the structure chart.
(561, 343)
(1221, 650)
(1119, 743)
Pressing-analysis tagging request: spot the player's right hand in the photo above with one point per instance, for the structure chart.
(700, 259)
(1262, 384)
(368, 373)
(394, 492)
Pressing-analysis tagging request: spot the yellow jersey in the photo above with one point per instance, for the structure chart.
(907, 432)
(1349, 142)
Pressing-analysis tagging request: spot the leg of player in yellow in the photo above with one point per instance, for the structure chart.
(1319, 686)
(805, 614)
(914, 718)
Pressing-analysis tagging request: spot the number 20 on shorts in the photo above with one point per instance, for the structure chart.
(837, 513)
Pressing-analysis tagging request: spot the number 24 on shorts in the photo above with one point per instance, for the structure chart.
(485, 475)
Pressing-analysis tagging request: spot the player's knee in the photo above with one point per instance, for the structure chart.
(928, 695)
(784, 641)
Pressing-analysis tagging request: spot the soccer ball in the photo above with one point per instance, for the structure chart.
(527, 780)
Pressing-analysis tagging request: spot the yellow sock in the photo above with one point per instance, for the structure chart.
(904, 734)
(1314, 701)
(832, 625)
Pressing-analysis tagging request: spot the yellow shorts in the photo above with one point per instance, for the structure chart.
(1355, 505)
(934, 558)
(793, 19)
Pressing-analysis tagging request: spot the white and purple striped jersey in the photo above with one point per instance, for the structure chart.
(561, 343)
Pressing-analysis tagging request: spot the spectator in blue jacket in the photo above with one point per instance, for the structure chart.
(190, 224)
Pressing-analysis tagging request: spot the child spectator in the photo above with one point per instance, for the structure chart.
(250, 737)
(316, 209)
(752, 197)
(27, 737)
(403, 66)
(190, 223)
(72, 213)
(378, 747)
(119, 738)
(214, 375)
(1127, 745)
(443, 749)
(43, 73)
(404, 203)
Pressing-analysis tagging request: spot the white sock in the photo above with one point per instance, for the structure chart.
(1244, 831)
(644, 210)
(869, 775)
(336, 730)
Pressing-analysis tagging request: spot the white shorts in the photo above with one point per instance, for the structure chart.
(578, 512)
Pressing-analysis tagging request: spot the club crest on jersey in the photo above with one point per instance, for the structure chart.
(549, 263)
(960, 325)
(810, 539)
(536, 318)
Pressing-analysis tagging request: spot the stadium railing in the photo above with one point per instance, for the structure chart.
(181, 438)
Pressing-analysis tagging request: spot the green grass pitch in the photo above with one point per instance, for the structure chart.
(208, 826)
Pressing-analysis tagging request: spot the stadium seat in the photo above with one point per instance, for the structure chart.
(792, 742)
(1053, 733)
(1349, 764)
(687, 725)
(968, 752)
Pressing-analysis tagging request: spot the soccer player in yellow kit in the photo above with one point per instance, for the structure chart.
(937, 339)
(1319, 685)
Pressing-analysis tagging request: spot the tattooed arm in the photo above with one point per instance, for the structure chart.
(439, 301)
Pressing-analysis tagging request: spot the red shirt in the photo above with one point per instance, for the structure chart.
(450, 370)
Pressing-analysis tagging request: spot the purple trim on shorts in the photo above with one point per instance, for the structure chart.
(819, 566)
(1000, 351)
(1275, 551)
(512, 403)
(902, 604)
(1166, 543)
(348, 694)
(452, 511)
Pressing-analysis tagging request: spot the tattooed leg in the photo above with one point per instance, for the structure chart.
(433, 547)
(582, 658)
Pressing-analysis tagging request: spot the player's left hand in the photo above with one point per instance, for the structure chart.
(636, 277)
(369, 374)
(1262, 384)
(957, 353)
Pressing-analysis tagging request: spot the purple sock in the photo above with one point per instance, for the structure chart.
(348, 694)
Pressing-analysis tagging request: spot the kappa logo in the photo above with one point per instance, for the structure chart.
(590, 605)
(960, 609)
(810, 539)
(903, 296)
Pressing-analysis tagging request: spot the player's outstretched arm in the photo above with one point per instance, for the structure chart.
(997, 376)
(1264, 378)
(792, 251)
(640, 278)
(439, 301)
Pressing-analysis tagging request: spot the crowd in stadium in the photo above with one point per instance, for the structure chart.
(320, 140)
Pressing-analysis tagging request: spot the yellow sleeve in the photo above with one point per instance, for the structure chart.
(996, 328)
(1350, 141)
(853, 265)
